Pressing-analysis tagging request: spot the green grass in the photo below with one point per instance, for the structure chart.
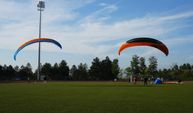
(95, 97)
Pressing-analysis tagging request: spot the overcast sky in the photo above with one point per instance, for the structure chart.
(95, 28)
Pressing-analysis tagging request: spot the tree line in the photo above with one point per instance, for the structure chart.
(16, 73)
(139, 68)
(99, 70)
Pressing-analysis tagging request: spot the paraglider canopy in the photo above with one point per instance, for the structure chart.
(144, 41)
(36, 41)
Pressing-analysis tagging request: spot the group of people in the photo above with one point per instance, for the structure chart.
(146, 80)
(151, 80)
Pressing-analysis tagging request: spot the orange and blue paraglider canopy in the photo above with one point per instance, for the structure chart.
(36, 41)
(143, 41)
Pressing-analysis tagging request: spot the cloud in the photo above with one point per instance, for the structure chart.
(102, 4)
(177, 16)
(86, 36)
(100, 15)
(19, 25)
(97, 32)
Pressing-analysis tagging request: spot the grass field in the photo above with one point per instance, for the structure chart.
(95, 97)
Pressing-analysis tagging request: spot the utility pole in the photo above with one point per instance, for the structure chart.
(41, 6)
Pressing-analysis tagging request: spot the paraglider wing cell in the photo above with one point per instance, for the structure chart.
(144, 42)
(36, 41)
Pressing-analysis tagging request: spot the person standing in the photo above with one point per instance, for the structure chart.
(145, 81)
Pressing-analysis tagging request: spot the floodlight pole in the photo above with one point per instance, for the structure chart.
(41, 6)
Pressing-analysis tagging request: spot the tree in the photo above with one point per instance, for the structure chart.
(115, 68)
(47, 70)
(142, 66)
(7, 73)
(152, 68)
(135, 65)
(82, 72)
(128, 71)
(16, 68)
(4, 73)
(74, 72)
(175, 67)
(95, 69)
(25, 72)
(1, 72)
(10, 73)
(29, 69)
(55, 72)
(121, 74)
(63, 71)
(106, 69)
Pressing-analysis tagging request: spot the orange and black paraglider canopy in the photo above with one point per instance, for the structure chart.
(144, 41)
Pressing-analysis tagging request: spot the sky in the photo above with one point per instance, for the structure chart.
(96, 28)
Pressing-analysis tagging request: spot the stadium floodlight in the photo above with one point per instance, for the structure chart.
(41, 6)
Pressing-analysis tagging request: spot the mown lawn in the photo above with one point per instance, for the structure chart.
(95, 97)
